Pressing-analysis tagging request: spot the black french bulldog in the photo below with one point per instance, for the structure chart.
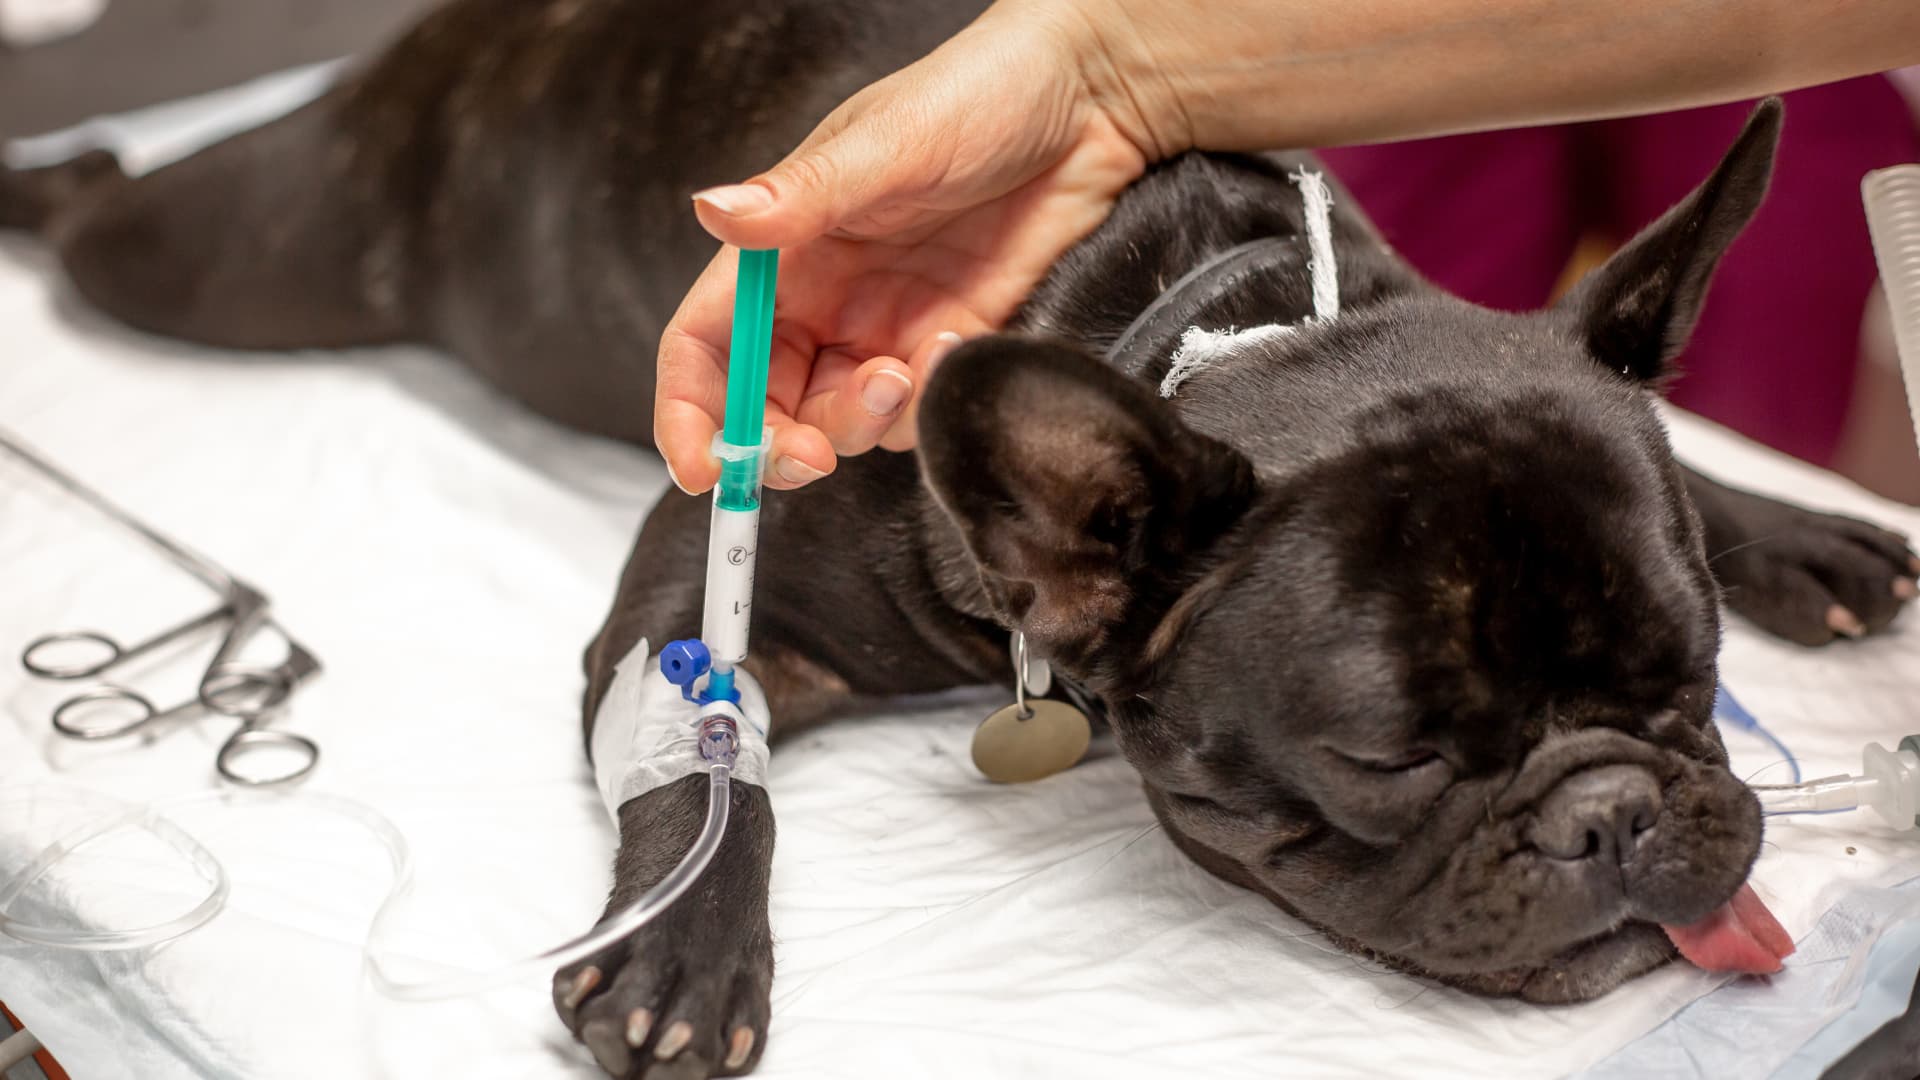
(1407, 620)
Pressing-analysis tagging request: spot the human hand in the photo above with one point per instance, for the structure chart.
(921, 211)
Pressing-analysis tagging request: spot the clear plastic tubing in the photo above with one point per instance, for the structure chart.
(1892, 198)
(613, 929)
(719, 752)
(151, 819)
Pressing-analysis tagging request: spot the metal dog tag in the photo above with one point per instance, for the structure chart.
(1051, 738)
(1030, 740)
(1028, 670)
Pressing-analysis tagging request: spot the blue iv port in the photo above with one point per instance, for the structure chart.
(684, 661)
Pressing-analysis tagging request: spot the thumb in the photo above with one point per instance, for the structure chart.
(818, 188)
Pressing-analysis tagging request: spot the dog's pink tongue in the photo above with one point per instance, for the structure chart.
(1741, 935)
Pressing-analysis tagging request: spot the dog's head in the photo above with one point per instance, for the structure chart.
(1404, 618)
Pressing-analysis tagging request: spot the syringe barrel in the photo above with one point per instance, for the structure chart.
(731, 541)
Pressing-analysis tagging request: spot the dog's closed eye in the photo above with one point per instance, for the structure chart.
(1406, 761)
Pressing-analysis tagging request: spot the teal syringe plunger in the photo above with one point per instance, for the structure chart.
(741, 446)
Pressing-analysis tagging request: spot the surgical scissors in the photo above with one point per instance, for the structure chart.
(249, 693)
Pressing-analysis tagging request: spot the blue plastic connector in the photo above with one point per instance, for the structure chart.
(720, 688)
(684, 661)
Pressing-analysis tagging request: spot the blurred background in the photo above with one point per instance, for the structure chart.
(62, 61)
(1793, 351)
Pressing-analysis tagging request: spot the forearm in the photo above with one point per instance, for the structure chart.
(1258, 74)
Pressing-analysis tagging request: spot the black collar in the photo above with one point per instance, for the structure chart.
(1146, 346)
(1082, 698)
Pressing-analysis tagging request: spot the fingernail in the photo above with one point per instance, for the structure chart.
(583, 985)
(943, 343)
(674, 1041)
(740, 1047)
(1905, 589)
(1842, 621)
(794, 471)
(674, 476)
(885, 393)
(639, 1022)
(736, 200)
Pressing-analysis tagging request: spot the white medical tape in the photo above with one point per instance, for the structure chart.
(1199, 348)
(1317, 204)
(646, 734)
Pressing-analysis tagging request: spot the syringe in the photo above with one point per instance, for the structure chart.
(734, 534)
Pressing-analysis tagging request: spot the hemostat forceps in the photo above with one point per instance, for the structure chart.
(249, 693)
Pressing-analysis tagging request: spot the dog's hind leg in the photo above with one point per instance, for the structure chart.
(264, 241)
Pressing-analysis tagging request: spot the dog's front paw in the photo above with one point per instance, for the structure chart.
(687, 995)
(1810, 577)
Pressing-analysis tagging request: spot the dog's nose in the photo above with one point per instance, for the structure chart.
(1597, 814)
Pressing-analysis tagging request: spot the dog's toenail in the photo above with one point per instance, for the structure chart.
(740, 1047)
(583, 985)
(674, 1041)
(1905, 589)
(1842, 621)
(639, 1022)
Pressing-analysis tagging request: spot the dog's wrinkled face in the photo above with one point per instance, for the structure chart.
(1477, 734)
(1405, 619)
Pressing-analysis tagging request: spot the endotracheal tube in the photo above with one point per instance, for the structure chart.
(1889, 783)
(1889, 780)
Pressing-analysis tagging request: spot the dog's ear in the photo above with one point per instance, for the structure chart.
(1638, 309)
(1077, 491)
